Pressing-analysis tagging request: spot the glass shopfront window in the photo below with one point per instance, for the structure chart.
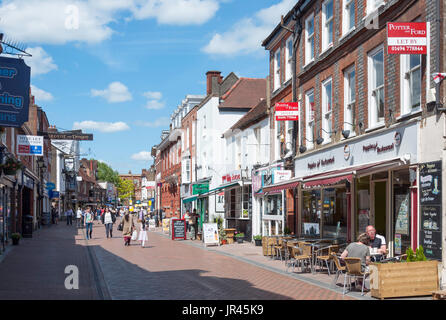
(273, 205)
(334, 213)
(311, 213)
(363, 204)
(401, 204)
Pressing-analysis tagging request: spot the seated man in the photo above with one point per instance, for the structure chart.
(377, 243)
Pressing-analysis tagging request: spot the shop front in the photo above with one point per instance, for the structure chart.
(367, 180)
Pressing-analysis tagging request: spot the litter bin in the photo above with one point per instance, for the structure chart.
(27, 229)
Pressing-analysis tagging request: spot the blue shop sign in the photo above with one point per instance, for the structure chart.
(14, 92)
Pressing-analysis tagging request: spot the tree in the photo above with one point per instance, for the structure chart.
(106, 173)
(126, 189)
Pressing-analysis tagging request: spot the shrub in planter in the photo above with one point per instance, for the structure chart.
(15, 238)
(239, 237)
(258, 240)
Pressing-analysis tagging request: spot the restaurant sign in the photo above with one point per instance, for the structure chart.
(232, 177)
(14, 92)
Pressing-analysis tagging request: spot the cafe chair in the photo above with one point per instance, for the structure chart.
(339, 269)
(279, 249)
(353, 266)
(270, 246)
(295, 251)
(303, 257)
(289, 250)
(324, 255)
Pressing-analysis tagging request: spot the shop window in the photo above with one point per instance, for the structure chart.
(311, 213)
(273, 205)
(380, 176)
(247, 204)
(401, 217)
(334, 213)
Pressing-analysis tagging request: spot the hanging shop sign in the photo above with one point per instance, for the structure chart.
(431, 209)
(287, 111)
(14, 92)
(29, 145)
(200, 188)
(282, 175)
(406, 38)
(67, 136)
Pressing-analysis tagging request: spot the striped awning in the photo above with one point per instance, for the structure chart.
(290, 184)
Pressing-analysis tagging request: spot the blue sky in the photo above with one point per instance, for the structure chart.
(118, 68)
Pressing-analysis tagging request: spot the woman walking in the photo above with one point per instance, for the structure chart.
(108, 218)
(127, 228)
(88, 222)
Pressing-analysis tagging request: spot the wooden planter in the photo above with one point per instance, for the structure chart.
(230, 235)
(404, 279)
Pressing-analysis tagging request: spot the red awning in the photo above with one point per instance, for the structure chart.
(280, 187)
(337, 176)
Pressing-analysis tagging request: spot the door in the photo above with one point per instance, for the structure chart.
(380, 207)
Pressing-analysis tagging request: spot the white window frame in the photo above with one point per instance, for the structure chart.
(309, 120)
(289, 58)
(288, 135)
(327, 114)
(374, 120)
(347, 6)
(277, 69)
(373, 5)
(325, 22)
(187, 137)
(406, 91)
(308, 39)
(194, 125)
(258, 139)
(349, 105)
(277, 144)
(238, 156)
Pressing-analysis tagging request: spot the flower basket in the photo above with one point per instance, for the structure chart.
(10, 166)
(239, 237)
(258, 240)
(15, 238)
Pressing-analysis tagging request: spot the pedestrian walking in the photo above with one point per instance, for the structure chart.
(187, 218)
(193, 225)
(69, 215)
(127, 228)
(79, 217)
(108, 218)
(89, 216)
(142, 233)
(54, 215)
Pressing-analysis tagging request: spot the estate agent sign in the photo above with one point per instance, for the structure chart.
(14, 92)
(407, 38)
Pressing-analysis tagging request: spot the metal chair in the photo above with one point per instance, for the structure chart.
(302, 256)
(324, 255)
(279, 249)
(339, 269)
(354, 269)
(270, 246)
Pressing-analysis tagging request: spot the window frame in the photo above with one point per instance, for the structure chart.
(346, 7)
(309, 59)
(289, 59)
(327, 115)
(309, 119)
(349, 106)
(325, 30)
(373, 112)
(277, 66)
(405, 85)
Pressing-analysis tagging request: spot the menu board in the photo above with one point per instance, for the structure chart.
(178, 229)
(210, 234)
(430, 206)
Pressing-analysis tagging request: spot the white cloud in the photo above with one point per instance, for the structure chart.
(41, 95)
(160, 122)
(154, 102)
(106, 127)
(246, 35)
(40, 62)
(63, 21)
(176, 12)
(116, 92)
(142, 156)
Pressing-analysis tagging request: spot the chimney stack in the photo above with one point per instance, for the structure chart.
(213, 79)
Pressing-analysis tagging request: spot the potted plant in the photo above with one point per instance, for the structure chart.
(11, 166)
(223, 237)
(258, 240)
(287, 231)
(15, 238)
(415, 277)
(239, 237)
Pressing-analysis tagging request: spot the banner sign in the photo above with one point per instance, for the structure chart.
(406, 38)
(67, 136)
(29, 145)
(288, 111)
(14, 92)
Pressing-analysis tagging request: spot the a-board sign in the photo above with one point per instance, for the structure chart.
(178, 229)
(152, 224)
(431, 209)
(210, 234)
(166, 225)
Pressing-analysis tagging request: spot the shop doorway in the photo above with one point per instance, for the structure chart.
(379, 206)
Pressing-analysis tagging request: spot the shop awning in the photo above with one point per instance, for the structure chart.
(339, 176)
(290, 184)
(190, 199)
(215, 190)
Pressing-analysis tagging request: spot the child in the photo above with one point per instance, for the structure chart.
(142, 233)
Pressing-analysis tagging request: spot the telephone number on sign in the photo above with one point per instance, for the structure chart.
(408, 48)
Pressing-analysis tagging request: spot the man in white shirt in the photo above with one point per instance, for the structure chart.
(377, 243)
(79, 217)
